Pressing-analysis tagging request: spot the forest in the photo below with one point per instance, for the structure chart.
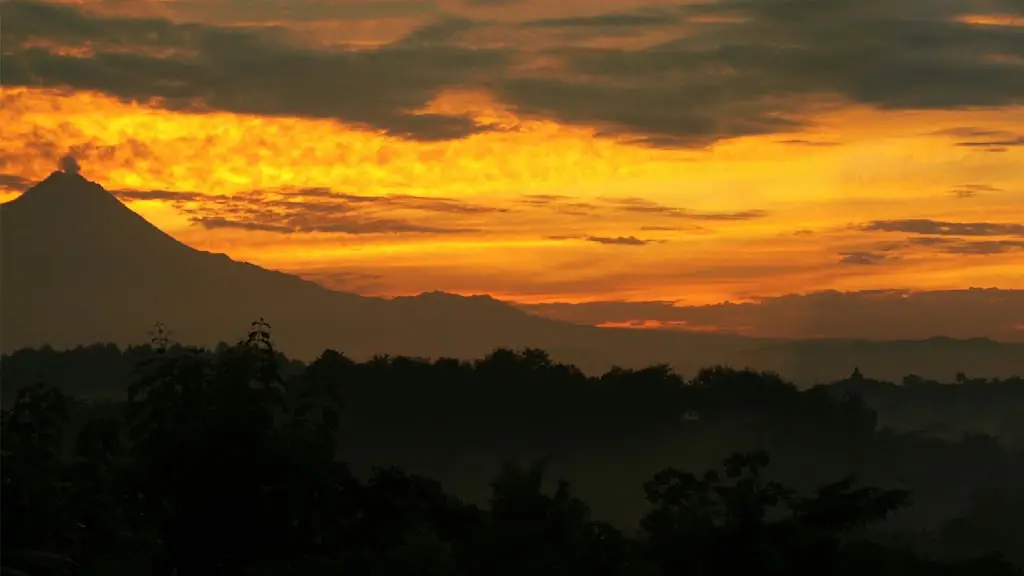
(169, 459)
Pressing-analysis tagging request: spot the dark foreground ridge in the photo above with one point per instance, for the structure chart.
(237, 461)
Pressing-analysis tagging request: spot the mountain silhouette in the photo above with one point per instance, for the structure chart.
(77, 266)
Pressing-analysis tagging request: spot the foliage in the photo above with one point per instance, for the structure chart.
(227, 461)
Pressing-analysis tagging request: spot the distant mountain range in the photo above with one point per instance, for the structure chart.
(77, 266)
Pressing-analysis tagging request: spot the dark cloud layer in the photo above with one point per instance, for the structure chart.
(749, 71)
(240, 70)
(737, 68)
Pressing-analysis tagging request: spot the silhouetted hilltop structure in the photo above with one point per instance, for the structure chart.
(78, 267)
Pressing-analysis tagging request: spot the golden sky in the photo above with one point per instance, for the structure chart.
(539, 151)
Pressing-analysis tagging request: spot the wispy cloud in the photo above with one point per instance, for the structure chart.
(313, 210)
(810, 143)
(606, 240)
(619, 240)
(645, 206)
(972, 190)
(863, 258)
(984, 139)
(942, 228)
(324, 210)
(13, 182)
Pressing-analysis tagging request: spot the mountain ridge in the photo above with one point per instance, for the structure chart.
(78, 266)
(71, 251)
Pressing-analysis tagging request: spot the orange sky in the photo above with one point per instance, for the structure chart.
(598, 172)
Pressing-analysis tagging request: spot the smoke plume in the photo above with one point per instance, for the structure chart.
(69, 165)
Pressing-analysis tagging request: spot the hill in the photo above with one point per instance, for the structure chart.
(79, 267)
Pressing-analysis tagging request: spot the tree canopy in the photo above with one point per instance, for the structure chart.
(239, 461)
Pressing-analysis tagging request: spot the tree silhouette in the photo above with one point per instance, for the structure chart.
(230, 461)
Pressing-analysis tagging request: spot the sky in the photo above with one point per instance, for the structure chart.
(613, 160)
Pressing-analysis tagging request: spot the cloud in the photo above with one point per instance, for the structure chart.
(810, 143)
(14, 182)
(268, 13)
(319, 199)
(313, 210)
(873, 314)
(863, 258)
(328, 210)
(756, 67)
(606, 240)
(543, 199)
(645, 206)
(938, 237)
(922, 246)
(968, 132)
(619, 240)
(870, 314)
(668, 228)
(241, 70)
(401, 201)
(1005, 143)
(972, 190)
(731, 68)
(639, 18)
(982, 138)
(942, 228)
(175, 197)
(655, 115)
(344, 225)
(985, 247)
(603, 206)
(359, 282)
(437, 33)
